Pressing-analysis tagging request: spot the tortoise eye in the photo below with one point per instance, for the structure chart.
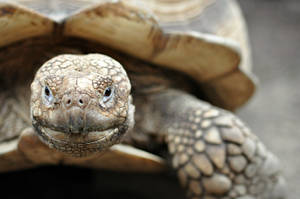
(47, 91)
(47, 95)
(107, 94)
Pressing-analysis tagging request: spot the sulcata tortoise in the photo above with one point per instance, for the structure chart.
(125, 85)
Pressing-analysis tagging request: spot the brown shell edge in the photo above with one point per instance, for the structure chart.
(18, 22)
(174, 50)
(28, 152)
(188, 52)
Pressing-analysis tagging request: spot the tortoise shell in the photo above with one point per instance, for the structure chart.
(211, 46)
(204, 40)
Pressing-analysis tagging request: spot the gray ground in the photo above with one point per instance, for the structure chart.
(274, 112)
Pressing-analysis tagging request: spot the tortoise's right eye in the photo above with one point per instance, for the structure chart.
(47, 95)
(47, 91)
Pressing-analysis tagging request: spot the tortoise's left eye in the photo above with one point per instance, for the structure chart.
(107, 94)
(47, 95)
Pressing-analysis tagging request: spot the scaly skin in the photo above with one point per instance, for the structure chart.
(213, 152)
(69, 109)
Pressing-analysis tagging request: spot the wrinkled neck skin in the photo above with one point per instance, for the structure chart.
(81, 104)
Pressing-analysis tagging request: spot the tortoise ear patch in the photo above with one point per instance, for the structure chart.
(17, 23)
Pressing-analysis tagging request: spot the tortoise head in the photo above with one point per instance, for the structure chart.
(81, 104)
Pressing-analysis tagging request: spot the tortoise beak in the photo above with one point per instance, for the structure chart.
(75, 118)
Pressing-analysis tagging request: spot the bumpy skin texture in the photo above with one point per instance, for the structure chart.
(214, 153)
(81, 104)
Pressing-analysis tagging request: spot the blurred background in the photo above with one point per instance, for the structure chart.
(273, 114)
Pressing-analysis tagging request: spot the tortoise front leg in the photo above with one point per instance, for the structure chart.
(214, 153)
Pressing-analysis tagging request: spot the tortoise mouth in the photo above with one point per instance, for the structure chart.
(79, 144)
(79, 138)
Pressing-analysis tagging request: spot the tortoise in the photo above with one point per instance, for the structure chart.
(133, 86)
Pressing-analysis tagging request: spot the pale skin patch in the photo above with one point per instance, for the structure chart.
(199, 146)
(198, 133)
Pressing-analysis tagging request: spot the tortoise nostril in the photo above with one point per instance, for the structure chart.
(67, 100)
(83, 100)
(80, 100)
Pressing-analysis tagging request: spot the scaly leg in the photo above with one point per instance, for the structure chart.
(214, 153)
